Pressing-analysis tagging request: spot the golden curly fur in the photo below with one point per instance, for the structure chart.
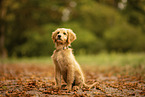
(64, 60)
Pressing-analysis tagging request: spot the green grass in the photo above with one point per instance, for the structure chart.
(102, 59)
(113, 59)
(27, 60)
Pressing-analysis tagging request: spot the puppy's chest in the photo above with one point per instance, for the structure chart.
(62, 58)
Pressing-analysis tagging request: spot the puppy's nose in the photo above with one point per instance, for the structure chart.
(59, 36)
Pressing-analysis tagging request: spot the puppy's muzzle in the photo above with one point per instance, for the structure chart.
(59, 37)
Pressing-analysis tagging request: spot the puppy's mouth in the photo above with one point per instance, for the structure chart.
(59, 39)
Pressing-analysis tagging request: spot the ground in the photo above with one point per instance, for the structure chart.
(38, 81)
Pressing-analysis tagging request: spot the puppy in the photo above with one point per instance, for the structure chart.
(64, 60)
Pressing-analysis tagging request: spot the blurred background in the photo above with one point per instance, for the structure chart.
(100, 25)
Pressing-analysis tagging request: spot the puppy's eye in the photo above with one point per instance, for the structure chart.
(57, 32)
(64, 33)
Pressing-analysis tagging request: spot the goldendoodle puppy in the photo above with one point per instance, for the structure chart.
(64, 60)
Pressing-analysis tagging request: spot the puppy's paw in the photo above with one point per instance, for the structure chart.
(75, 88)
(57, 87)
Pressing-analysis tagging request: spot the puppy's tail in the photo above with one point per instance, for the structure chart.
(90, 86)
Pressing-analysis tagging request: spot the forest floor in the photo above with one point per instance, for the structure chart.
(37, 80)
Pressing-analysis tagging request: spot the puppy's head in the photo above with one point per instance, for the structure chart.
(63, 36)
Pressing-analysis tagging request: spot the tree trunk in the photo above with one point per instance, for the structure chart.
(3, 52)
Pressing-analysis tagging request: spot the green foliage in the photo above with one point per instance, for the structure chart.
(99, 26)
(124, 38)
(38, 43)
(98, 18)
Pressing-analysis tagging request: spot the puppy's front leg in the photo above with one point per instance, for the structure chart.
(58, 77)
(70, 76)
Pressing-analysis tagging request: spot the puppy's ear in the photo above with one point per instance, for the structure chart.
(71, 36)
(54, 36)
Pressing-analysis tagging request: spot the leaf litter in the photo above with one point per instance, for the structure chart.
(38, 81)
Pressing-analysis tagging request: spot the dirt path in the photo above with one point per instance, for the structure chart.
(25, 80)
